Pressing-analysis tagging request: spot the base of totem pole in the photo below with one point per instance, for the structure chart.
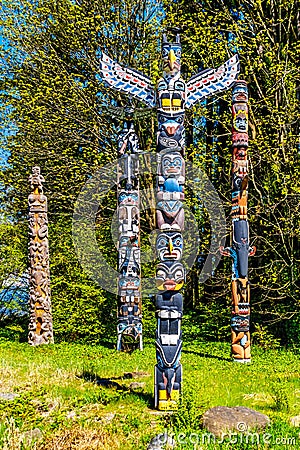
(242, 361)
(164, 401)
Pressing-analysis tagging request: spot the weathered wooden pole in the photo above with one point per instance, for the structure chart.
(40, 322)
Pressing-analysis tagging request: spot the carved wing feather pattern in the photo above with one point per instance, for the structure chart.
(211, 81)
(127, 80)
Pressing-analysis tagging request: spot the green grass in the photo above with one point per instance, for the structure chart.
(58, 393)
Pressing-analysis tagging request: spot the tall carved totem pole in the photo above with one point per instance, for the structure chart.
(240, 249)
(40, 322)
(129, 283)
(170, 98)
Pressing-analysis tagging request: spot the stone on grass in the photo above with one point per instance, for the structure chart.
(71, 415)
(221, 419)
(108, 417)
(32, 435)
(8, 396)
(136, 385)
(295, 421)
(162, 442)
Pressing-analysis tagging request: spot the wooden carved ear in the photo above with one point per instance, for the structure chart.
(252, 250)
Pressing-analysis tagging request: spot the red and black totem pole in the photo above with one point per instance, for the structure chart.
(240, 249)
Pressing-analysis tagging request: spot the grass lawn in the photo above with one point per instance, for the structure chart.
(79, 398)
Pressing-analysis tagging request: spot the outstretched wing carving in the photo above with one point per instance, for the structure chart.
(211, 81)
(127, 80)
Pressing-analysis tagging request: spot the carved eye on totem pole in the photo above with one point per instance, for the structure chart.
(169, 246)
(129, 283)
(128, 198)
(239, 324)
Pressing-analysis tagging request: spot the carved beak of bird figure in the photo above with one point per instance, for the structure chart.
(172, 59)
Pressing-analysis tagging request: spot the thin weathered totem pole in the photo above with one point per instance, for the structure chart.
(129, 283)
(171, 98)
(40, 322)
(240, 249)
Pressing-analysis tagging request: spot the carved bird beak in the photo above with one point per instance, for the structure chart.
(170, 246)
(172, 59)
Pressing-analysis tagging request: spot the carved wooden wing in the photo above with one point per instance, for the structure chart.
(212, 81)
(127, 80)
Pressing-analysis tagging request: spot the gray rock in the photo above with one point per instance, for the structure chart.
(8, 396)
(220, 419)
(161, 442)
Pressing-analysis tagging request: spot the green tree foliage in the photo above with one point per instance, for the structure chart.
(266, 36)
(53, 95)
(54, 99)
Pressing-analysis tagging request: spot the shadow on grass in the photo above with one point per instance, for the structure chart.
(110, 383)
(207, 355)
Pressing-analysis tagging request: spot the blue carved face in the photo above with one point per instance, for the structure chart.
(172, 165)
(171, 55)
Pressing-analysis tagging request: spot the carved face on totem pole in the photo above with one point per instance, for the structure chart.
(170, 276)
(172, 165)
(169, 246)
(129, 261)
(171, 134)
(240, 92)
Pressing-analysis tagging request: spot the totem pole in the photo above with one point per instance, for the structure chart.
(40, 322)
(129, 291)
(240, 249)
(171, 98)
